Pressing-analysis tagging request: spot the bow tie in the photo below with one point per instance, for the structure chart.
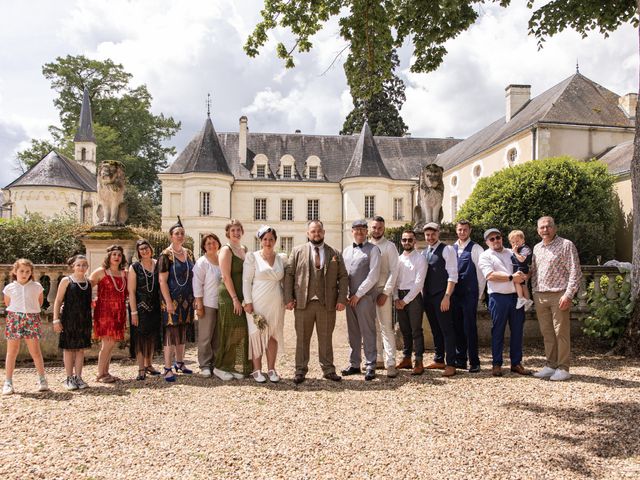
(358, 245)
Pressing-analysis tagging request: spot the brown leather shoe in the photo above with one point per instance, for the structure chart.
(496, 371)
(435, 366)
(405, 363)
(449, 371)
(418, 369)
(520, 370)
(333, 376)
(298, 378)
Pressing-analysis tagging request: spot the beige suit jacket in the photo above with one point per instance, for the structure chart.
(296, 278)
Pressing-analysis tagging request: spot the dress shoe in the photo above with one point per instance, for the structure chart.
(449, 371)
(474, 368)
(435, 366)
(520, 370)
(351, 371)
(370, 375)
(461, 366)
(496, 371)
(333, 376)
(392, 372)
(418, 369)
(405, 363)
(298, 378)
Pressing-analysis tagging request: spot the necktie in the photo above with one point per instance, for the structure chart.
(358, 245)
(317, 259)
(429, 253)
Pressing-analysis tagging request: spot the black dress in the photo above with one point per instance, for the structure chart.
(76, 316)
(146, 334)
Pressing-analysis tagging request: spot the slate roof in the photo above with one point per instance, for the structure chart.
(402, 157)
(85, 130)
(366, 161)
(56, 170)
(618, 158)
(575, 101)
(202, 154)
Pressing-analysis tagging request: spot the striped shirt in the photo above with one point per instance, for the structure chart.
(556, 267)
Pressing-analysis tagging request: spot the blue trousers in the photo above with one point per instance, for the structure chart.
(441, 323)
(465, 310)
(503, 311)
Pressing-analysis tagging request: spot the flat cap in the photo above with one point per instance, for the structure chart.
(431, 226)
(359, 223)
(490, 231)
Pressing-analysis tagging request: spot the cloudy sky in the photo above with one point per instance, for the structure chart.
(182, 50)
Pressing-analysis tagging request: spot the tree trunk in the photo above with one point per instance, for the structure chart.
(629, 343)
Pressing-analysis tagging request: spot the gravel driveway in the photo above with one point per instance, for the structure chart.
(470, 426)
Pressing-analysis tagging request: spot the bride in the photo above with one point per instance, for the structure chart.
(263, 302)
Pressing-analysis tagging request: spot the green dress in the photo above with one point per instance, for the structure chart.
(233, 351)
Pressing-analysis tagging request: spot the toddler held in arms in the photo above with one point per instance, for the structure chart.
(521, 260)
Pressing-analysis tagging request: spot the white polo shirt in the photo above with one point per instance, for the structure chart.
(492, 261)
(24, 298)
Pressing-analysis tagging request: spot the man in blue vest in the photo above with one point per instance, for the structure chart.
(442, 275)
(464, 305)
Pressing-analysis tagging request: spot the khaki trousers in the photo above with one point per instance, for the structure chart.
(325, 321)
(386, 338)
(555, 325)
(207, 337)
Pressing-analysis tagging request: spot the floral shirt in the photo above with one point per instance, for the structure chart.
(556, 267)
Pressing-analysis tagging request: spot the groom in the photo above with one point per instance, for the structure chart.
(315, 285)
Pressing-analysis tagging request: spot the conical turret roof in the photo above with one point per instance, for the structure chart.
(366, 160)
(85, 130)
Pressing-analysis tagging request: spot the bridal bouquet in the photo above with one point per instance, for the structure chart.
(259, 321)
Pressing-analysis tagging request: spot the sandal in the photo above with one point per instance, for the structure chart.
(142, 374)
(151, 371)
(171, 377)
(179, 367)
(108, 378)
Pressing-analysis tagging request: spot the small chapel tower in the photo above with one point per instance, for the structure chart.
(85, 141)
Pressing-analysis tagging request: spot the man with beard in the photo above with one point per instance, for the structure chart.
(315, 285)
(385, 338)
(412, 268)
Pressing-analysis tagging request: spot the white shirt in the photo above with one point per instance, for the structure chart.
(476, 251)
(450, 260)
(24, 298)
(388, 265)
(412, 270)
(492, 261)
(313, 253)
(206, 279)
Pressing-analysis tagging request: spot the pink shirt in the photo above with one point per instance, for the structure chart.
(556, 267)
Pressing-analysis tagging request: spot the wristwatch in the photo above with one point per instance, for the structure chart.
(511, 278)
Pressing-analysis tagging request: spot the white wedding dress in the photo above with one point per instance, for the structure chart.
(262, 286)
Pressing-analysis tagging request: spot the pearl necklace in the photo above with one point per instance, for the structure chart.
(148, 276)
(115, 285)
(186, 260)
(86, 283)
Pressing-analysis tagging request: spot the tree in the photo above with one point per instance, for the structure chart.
(585, 16)
(124, 126)
(382, 110)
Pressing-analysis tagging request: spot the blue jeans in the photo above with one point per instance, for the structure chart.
(503, 311)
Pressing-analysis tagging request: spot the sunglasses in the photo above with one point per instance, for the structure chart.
(493, 239)
(407, 240)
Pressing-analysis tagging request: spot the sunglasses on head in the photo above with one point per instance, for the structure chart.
(493, 239)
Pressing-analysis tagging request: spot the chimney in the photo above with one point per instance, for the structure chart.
(242, 140)
(298, 130)
(628, 103)
(516, 97)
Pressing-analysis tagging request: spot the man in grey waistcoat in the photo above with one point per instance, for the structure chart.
(362, 260)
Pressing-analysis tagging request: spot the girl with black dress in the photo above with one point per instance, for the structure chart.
(144, 301)
(72, 320)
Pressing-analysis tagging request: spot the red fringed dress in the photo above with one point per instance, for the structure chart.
(110, 314)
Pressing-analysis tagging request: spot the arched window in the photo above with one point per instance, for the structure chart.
(83, 154)
(313, 168)
(287, 168)
(260, 166)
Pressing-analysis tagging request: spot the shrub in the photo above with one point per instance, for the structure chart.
(608, 319)
(159, 240)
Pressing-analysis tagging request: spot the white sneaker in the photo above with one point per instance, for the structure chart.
(529, 303)
(259, 377)
(7, 389)
(545, 372)
(521, 302)
(273, 376)
(43, 386)
(222, 375)
(237, 376)
(560, 376)
(69, 384)
(80, 382)
(392, 371)
(205, 372)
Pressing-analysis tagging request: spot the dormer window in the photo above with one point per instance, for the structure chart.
(313, 173)
(287, 167)
(261, 171)
(286, 171)
(260, 166)
(312, 168)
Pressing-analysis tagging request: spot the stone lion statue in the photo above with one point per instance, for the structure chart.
(430, 194)
(111, 207)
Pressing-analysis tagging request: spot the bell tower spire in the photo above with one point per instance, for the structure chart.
(85, 140)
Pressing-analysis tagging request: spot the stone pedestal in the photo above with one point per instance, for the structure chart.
(98, 239)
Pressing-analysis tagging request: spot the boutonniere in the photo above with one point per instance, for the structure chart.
(334, 258)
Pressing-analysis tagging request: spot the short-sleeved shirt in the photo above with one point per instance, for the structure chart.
(492, 261)
(525, 251)
(24, 298)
